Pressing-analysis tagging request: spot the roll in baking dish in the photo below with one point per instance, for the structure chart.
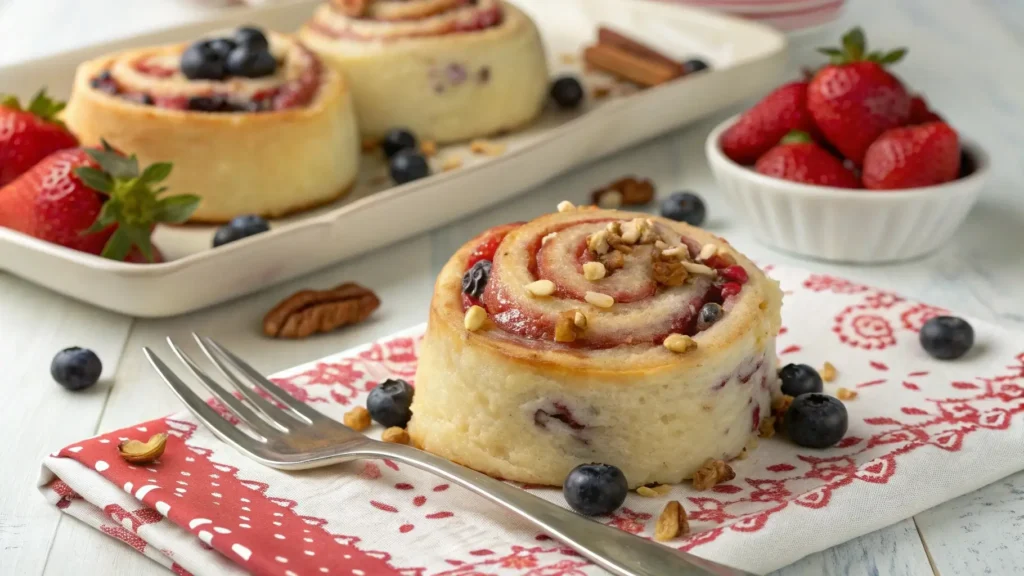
(639, 382)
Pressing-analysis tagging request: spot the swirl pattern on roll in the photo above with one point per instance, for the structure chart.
(394, 19)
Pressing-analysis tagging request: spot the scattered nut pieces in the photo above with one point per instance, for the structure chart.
(566, 206)
(707, 251)
(308, 312)
(596, 242)
(672, 523)
(677, 252)
(647, 492)
(395, 435)
(608, 199)
(632, 230)
(451, 163)
(614, 260)
(541, 288)
(781, 404)
(680, 344)
(701, 269)
(138, 452)
(566, 328)
(580, 319)
(357, 418)
(600, 300)
(487, 148)
(846, 394)
(428, 148)
(631, 191)
(724, 255)
(669, 273)
(712, 473)
(594, 271)
(766, 429)
(475, 318)
(828, 372)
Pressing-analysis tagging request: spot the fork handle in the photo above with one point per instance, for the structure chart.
(614, 550)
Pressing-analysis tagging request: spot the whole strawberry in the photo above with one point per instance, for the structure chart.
(799, 159)
(911, 157)
(28, 135)
(761, 127)
(854, 99)
(95, 201)
(921, 113)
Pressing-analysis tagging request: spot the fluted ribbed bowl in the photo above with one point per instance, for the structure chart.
(840, 225)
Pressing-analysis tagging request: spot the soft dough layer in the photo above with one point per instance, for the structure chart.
(444, 83)
(269, 163)
(528, 410)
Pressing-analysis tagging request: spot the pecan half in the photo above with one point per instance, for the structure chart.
(711, 473)
(308, 312)
(632, 191)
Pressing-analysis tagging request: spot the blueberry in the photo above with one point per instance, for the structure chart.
(139, 98)
(816, 421)
(800, 379)
(595, 489)
(694, 65)
(684, 207)
(409, 165)
(240, 227)
(76, 368)
(389, 403)
(396, 140)
(947, 337)
(567, 92)
(248, 62)
(200, 62)
(213, 103)
(221, 46)
(475, 279)
(709, 314)
(251, 37)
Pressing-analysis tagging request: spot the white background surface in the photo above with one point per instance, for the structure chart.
(965, 56)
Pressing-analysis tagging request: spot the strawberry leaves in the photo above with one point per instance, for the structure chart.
(41, 105)
(134, 205)
(854, 48)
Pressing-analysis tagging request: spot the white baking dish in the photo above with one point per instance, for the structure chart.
(746, 57)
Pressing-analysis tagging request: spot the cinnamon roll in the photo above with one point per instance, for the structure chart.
(448, 70)
(596, 336)
(253, 124)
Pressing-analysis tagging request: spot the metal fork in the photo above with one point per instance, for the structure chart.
(299, 437)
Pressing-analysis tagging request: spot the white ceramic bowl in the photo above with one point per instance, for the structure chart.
(843, 225)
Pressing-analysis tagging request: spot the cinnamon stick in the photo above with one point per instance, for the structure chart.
(628, 65)
(612, 38)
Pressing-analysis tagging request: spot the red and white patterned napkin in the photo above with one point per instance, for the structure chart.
(921, 432)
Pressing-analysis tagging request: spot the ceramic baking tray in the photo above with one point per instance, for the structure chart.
(746, 59)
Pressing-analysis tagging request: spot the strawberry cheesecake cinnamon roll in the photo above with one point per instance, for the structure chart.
(448, 70)
(254, 123)
(596, 336)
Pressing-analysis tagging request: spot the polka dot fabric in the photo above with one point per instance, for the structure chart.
(917, 423)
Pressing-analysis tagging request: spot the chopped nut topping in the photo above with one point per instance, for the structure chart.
(580, 319)
(677, 252)
(669, 273)
(662, 489)
(707, 251)
(541, 288)
(672, 523)
(846, 394)
(395, 435)
(660, 245)
(545, 239)
(451, 163)
(357, 419)
(828, 372)
(594, 271)
(766, 429)
(614, 228)
(712, 473)
(567, 329)
(701, 269)
(566, 206)
(725, 256)
(429, 148)
(781, 404)
(633, 230)
(308, 312)
(614, 260)
(632, 191)
(679, 343)
(138, 452)
(487, 148)
(598, 242)
(475, 318)
(608, 199)
(647, 492)
(599, 300)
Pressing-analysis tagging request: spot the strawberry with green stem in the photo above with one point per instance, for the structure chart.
(27, 135)
(798, 158)
(94, 200)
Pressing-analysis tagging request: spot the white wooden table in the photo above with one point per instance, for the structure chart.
(965, 54)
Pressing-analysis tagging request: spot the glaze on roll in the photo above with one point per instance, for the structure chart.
(596, 336)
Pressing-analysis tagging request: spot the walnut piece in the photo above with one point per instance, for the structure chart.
(711, 473)
(567, 329)
(670, 273)
(633, 191)
(766, 429)
(395, 435)
(671, 523)
(357, 419)
(138, 452)
(613, 260)
(308, 312)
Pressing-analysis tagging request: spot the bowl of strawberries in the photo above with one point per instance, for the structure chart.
(848, 165)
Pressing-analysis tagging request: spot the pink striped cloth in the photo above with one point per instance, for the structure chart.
(788, 15)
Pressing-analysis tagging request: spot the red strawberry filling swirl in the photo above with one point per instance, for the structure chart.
(647, 306)
(384, 20)
(156, 79)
